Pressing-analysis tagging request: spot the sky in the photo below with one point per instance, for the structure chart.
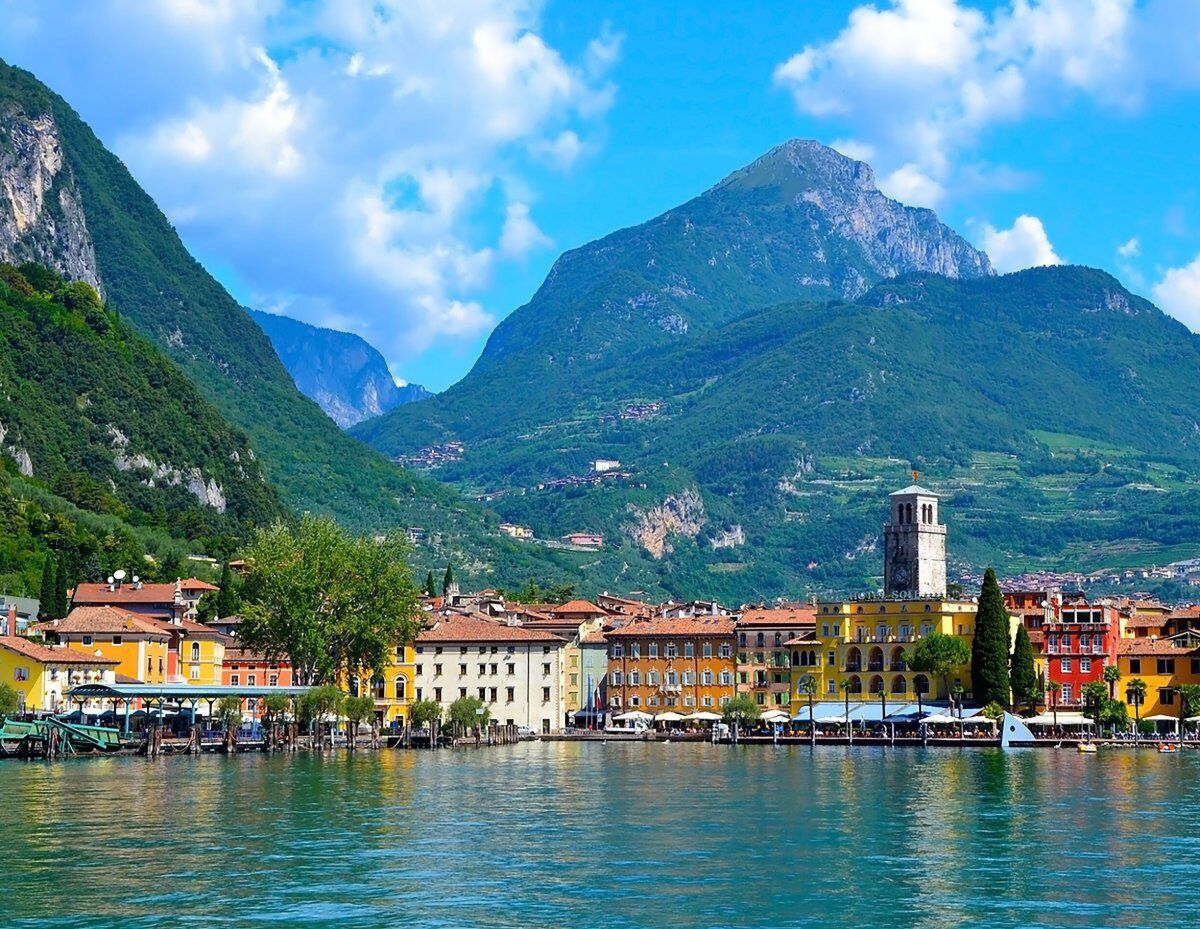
(410, 169)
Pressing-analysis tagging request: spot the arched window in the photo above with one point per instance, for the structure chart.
(921, 684)
(778, 639)
(796, 658)
(401, 688)
(759, 640)
(195, 651)
(742, 640)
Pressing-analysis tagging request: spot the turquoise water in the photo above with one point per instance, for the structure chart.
(562, 834)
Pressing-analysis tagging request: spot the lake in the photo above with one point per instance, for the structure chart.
(569, 834)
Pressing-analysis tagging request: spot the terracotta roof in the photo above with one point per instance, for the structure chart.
(234, 653)
(786, 616)
(594, 638)
(110, 620)
(681, 626)
(96, 594)
(44, 654)
(1153, 647)
(805, 638)
(126, 679)
(1186, 612)
(467, 629)
(578, 607)
(192, 583)
(1145, 622)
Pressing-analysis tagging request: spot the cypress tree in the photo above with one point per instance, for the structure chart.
(1022, 671)
(989, 649)
(49, 581)
(61, 605)
(430, 585)
(447, 580)
(228, 601)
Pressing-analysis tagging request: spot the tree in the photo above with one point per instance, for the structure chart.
(315, 705)
(275, 706)
(993, 711)
(1112, 674)
(808, 687)
(1022, 671)
(60, 587)
(430, 586)
(447, 580)
(939, 655)
(1114, 714)
(334, 605)
(989, 648)
(741, 710)
(10, 700)
(1136, 692)
(227, 596)
(467, 713)
(357, 709)
(1189, 704)
(424, 712)
(1094, 696)
(49, 583)
(229, 713)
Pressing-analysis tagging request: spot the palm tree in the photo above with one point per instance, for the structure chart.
(1136, 692)
(883, 708)
(1112, 674)
(809, 686)
(1054, 688)
(846, 685)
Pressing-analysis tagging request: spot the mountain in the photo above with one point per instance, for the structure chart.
(342, 372)
(760, 431)
(95, 420)
(69, 203)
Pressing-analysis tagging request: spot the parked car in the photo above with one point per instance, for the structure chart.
(525, 732)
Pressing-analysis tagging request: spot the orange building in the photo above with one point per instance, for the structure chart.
(764, 658)
(241, 667)
(140, 645)
(681, 664)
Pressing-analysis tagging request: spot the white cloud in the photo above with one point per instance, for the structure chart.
(1179, 294)
(520, 234)
(365, 163)
(1023, 245)
(852, 148)
(909, 184)
(1130, 249)
(921, 80)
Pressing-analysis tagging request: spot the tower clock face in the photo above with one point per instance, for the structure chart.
(900, 576)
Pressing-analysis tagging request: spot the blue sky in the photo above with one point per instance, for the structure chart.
(410, 170)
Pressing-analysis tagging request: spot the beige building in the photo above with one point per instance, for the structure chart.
(517, 672)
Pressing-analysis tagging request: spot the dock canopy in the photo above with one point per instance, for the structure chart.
(176, 691)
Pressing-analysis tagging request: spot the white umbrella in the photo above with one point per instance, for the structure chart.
(668, 717)
(941, 719)
(773, 715)
(704, 717)
(633, 714)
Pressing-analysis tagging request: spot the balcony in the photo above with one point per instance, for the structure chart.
(875, 666)
(855, 667)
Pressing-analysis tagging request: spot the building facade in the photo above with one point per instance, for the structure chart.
(516, 672)
(678, 664)
(914, 544)
(764, 655)
(41, 675)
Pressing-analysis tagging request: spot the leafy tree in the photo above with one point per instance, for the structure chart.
(423, 712)
(334, 605)
(1136, 692)
(993, 711)
(228, 713)
(10, 700)
(357, 710)
(1094, 696)
(741, 710)
(1189, 703)
(447, 580)
(49, 582)
(227, 596)
(1023, 672)
(1112, 674)
(468, 712)
(275, 706)
(989, 648)
(1114, 714)
(940, 655)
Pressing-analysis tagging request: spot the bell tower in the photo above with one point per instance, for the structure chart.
(914, 545)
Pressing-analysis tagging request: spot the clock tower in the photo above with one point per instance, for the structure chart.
(914, 545)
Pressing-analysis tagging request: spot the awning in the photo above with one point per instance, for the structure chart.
(633, 714)
(1161, 718)
(704, 717)
(774, 716)
(1064, 719)
(667, 717)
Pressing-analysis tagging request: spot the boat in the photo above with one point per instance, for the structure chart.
(1165, 748)
(1087, 748)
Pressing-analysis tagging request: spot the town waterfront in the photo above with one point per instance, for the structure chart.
(558, 834)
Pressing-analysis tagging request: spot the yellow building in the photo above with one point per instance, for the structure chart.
(138, 645)
(201, 653)
(1164, 665)
(393, 691)
(869, 642)
(42, 675)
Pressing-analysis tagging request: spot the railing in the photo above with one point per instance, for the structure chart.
(853, 667)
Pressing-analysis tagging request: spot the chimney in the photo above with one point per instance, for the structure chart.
(12, 621)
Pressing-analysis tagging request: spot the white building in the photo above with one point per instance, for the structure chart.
(516, 672)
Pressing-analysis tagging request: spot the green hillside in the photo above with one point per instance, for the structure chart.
(149, 278)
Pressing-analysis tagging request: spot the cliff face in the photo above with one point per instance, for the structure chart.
(342, 372)
(41, 215)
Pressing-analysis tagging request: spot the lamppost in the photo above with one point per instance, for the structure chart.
(957, 693)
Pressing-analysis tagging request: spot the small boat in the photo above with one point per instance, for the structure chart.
(1165, 748)
(1087, 748)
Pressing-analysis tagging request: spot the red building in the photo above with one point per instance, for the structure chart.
(1078, 639)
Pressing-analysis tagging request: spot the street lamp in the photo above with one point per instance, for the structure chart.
(957, 693)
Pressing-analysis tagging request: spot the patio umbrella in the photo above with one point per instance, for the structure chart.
(774, 715)
(633, 714)
(704, 717)
(668, 717)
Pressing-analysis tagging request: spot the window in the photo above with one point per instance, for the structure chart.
(437, 694)
(1166, 665)
(618, 651)
(401, 688)
(1066, 693)
(545, 695)
(618, 678)
(635, 679)
(615, 701)
(726, 679)
(760, 640)
(635, 700)
(1166, 696)
(1085, 665)
(1066, 643)
(273, 680)
(545, 669)
(195, 651)
(652, 650)
(195, 673)
(672, 679)
(20, 674)
(1135, 665)
(419, 670)
(706, 678)
(482, 670)
(437, 670)
(87, 640)
(832, 688)
(438, 650)
(1065, 664)
(689, 650)
(545, 649)
(837, 630)
(117, 640)
(671, 651)
(149, 666)
(511, 668)
(494, 669)
(482, 693)
(510, 694)
(651, 678)
(492, 694)
(251, 680)
(689, 678)
(707, 650)
(832, 659)
(726, 650)
(462, 692)
(825, 630)
(1196, 666)
(1052, 642)
(742, 640)
(635, 650)
(760, 698)
(462, 670)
